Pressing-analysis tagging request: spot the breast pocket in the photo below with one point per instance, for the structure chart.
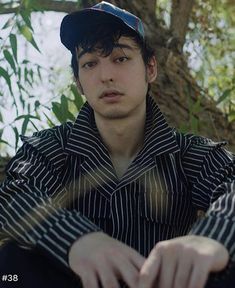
(162, 200)
(167, 208)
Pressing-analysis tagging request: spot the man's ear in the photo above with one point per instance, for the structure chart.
(152, 69)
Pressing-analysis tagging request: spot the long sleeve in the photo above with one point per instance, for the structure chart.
(211, 171)
(33, 200)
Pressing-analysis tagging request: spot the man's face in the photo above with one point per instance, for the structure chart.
(116, 85)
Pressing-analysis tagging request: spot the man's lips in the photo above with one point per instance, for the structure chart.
(110, 94)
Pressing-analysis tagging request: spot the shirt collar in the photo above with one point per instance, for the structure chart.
(159, 136)
(85, 139)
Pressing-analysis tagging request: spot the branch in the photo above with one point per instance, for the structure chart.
(136, 6)
(180, 15)
(41, 5)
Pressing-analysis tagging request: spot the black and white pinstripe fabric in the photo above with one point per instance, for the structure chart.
(61, 184)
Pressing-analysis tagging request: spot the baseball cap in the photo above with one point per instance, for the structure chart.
(73, 25)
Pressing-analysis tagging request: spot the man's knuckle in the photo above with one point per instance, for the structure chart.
(160, 247)
(168, 248)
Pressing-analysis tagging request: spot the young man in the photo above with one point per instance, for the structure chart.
(113, 197)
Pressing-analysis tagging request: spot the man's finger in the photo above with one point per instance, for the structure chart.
(128, 272)
(167, 271)
(107, 277)
(150, 270)
(183, 273)
(89, 281)
(136, 258)
(199, 276)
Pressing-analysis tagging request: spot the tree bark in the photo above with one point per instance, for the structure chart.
(180, 15)
(180, 98)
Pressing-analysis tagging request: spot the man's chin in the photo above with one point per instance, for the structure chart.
(115, 115)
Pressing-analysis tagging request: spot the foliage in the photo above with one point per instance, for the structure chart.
(210, 47)
(212, 37)
(20, 77)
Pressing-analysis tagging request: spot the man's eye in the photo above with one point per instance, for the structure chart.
(121, 59)
(88, 65)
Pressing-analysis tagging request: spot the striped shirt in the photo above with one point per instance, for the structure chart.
(61, 185)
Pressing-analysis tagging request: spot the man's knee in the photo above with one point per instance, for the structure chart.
(30, 269)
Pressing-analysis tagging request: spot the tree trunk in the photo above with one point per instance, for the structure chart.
(182, 101)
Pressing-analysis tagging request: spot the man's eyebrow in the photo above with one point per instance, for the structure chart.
(122, 46)
(81, 53)
(116, 45)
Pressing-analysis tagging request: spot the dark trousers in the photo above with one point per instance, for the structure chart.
(21, 268)
(29, 269)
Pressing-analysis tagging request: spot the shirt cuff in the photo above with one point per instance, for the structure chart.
(64, 231)
(221, 230)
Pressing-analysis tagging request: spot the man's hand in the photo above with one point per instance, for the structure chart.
(183, 262)
(96, 257)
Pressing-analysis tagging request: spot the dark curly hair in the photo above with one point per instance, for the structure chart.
(104, 36)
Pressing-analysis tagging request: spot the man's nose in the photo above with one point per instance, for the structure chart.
(106, 71)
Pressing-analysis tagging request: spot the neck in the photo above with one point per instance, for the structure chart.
(123, 138)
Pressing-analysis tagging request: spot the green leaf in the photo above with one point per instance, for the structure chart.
(6, 76)
(36, 104)
(19, 73)
(226, 94)
(67, 115)
(25, 125)
(26, 3)
(25, 14)
(22, 101)
(78, 100)
(3, 141)
(25, 61)
(70, 116)
(31, 75)
(1, 119)
(50, 123)
(10, 59)
(9, 23)
(25, 74)
(16, 136)
(56, 108)
(33, 124)
(39, 72)
(26, 116)
(25, 31)
(64, 104)
(13, 42)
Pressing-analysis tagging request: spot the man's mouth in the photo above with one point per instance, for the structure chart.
(111, 95)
